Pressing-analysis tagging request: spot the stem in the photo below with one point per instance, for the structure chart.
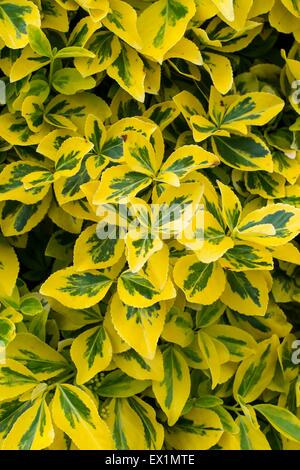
(63, 379)
(51, 70)
(236, 409)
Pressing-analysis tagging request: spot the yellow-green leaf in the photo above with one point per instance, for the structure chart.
(246, 292)
(285, 422)
(69, 81)
(18, 218)
(9, 267)
(77, 289)
(42, 361)
(14, 17)
(91, 353)
(122, 21)
(133, 424)
(272, 225)
(200, 429)
(256, 372)
(173, 391)
(73, 412)
(92, 251)
(247, 153)
(172, 19)
(139, 367)
(202, 283)
(15, 379)
(33, 429)
(139, 327)
(128, 71)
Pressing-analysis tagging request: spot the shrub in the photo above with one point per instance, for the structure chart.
(149, 188)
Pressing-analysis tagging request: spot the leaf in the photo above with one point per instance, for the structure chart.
(220, 71)
(185, 160)
(13, 20)
(118, 384)
(139, 154)
(33, 112)
(7, 332)
(70, 155)
(175, 209)
(226, 7)
(33, 430)
(39, 358)
(244, 153)
(106, 48)
(256, 372)
(73, 319)
(286, 167)
(228, 423)
(247, 256)
(239, 343)
(246, 292)
(187, 50)
(211, 242)
(128, 71)
(30, 305)
(73, 410)
(210, 356)
(251, 438)
(162, 113)
(133, 424)
(140, 291)
(199, 429)
(91, 353)
(139, 367)
(202, 283)
(173, 391)
(139, 327)
(141, 245)
(93, 252)
(188, 105)
(267, 185)
(255, 109)
(82, 31)
(50, 144)
(17, 218)
(282, 420)
(118, 184)
(38, 41)
(160, 36)
(28, 62)
(11, 183)
(15, 379)
(282, 219)
(122, 21)
(76, 290)
(14, 129)
(292, 7)
(178, 327)
(68, 189)
(209, 314)
(70, 111)
(231, 206)
(9, 268)
(73, 51)
(69, 81)
(54, 16)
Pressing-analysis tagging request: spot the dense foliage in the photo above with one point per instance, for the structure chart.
(149, 337)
